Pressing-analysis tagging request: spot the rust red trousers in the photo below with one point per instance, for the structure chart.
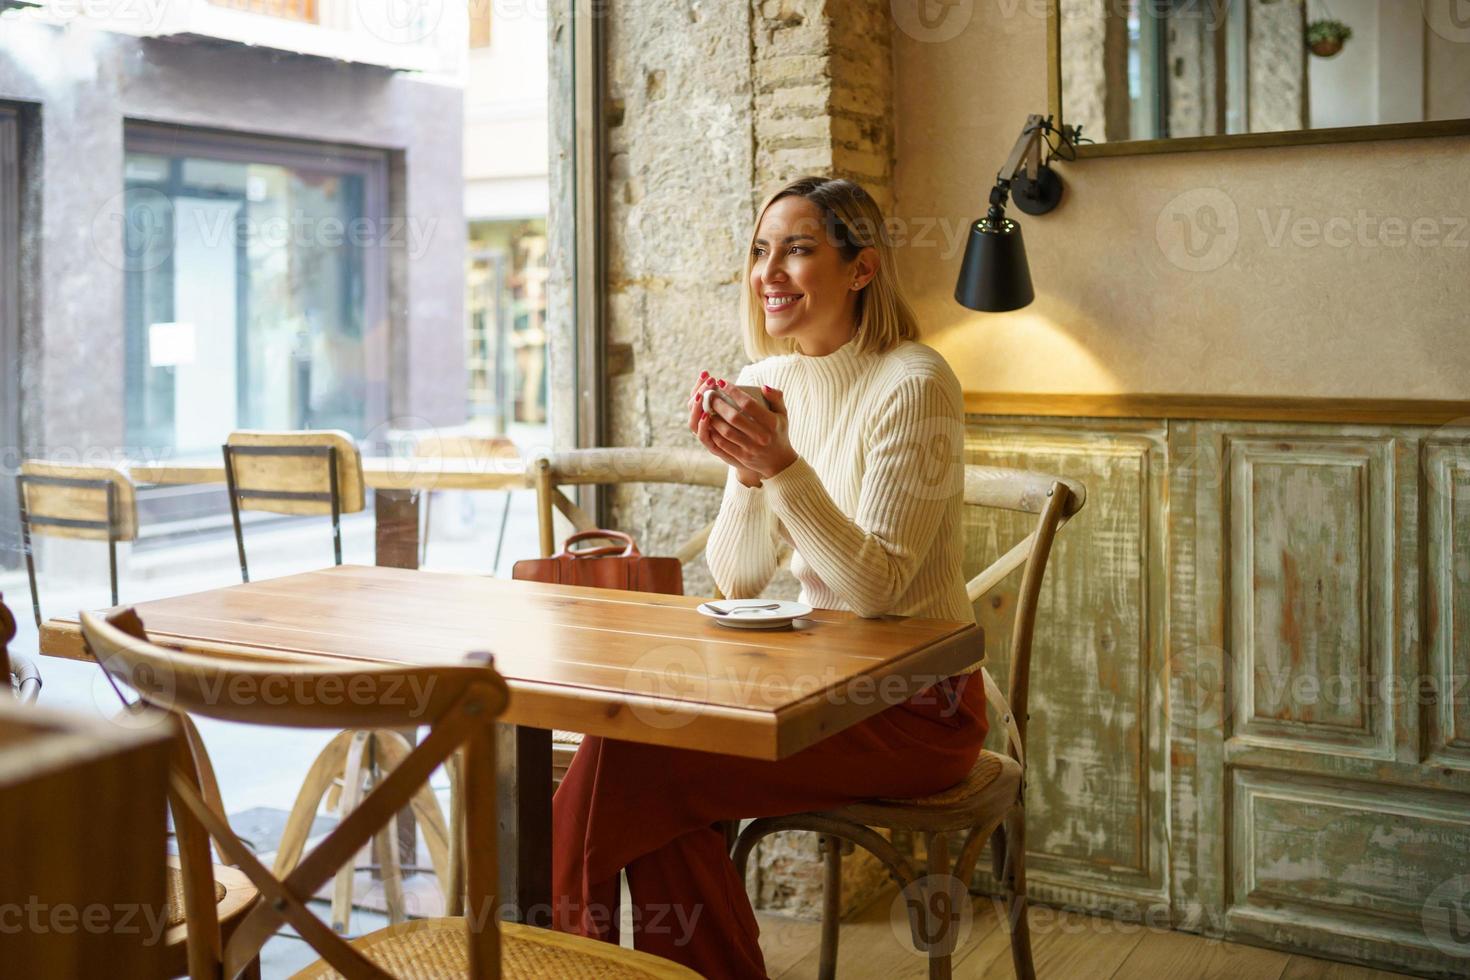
(656, 812)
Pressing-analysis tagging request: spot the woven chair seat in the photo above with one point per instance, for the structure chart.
(991, 786)
(436, 949)
(175, 880)
(559, 737)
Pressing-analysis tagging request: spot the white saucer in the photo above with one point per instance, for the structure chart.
(764, 619)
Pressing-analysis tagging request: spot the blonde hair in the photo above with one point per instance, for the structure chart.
(853, 223)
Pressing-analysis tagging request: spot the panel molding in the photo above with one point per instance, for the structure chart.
(1225, 408)
(1361, 924)
(1371, 510)
(1387, 772)
(1132, 456)
(1446, 718)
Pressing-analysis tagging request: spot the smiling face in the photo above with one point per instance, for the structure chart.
(806, 287)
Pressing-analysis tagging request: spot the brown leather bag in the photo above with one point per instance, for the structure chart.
(611, 566)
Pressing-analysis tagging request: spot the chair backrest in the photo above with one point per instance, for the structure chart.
(616, 466)
(294, 472)
(459, 703)
(465, 447)
(96, 503)
(1054, 500)
(59, 500)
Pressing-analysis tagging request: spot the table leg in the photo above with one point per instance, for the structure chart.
(524, 803)
(396, 513)
(396, 516)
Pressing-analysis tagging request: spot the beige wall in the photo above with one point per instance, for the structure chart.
(1265, 308)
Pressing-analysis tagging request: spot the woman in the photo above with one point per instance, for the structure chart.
(857, 465)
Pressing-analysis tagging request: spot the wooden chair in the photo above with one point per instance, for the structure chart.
(466, 447)
(94, 503)
(608, 467)
(293, 473)
(459, 703)
(989, 805)
(320, 472)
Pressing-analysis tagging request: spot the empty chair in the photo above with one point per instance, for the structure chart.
(293, 473)
(464, 447)
(988, 805)
(92, 503)
(321, 473)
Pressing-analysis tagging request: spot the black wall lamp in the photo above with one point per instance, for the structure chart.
(994, 276)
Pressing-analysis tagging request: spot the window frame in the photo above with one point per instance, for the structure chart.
(10, 258)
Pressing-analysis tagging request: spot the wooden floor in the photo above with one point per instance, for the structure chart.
(1066, 946)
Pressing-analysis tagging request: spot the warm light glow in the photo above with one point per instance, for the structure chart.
(1027, 350)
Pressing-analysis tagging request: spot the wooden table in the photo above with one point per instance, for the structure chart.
(628, 665)
(396, 482)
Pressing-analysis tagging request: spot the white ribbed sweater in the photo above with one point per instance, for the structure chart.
(873, 506)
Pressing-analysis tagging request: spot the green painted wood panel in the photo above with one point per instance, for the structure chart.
(1446, 701)
(1251, 697)
(1310, 590)
(1320, 824)
(1350, 870)
(1097, 790)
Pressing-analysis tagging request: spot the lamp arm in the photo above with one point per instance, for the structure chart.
(1025, 155)
(1026, 152)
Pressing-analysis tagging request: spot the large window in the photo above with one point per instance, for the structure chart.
(256, 288)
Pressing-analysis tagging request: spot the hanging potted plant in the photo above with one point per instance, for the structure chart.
(1326, 37)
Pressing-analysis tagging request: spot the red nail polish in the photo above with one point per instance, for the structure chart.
(703, 375)
(721, 382)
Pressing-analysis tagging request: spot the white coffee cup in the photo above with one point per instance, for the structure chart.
(723, 393)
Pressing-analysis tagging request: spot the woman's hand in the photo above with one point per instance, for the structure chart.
(699, 425)
(751, 438)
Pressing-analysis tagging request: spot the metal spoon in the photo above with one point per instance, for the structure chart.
(739, 609)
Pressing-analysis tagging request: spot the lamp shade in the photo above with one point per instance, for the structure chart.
(994, 276)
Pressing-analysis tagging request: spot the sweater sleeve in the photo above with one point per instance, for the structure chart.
(742, 547)
(913, 471)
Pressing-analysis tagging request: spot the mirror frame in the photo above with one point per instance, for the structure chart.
(1240, 141)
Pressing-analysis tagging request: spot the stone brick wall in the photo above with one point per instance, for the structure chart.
(1278, 67)
(823, 98)
(710, 106)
